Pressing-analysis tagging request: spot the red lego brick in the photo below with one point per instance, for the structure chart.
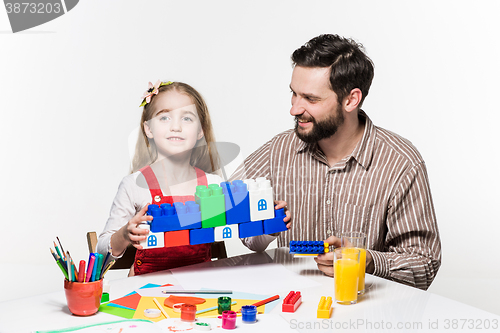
(176, 238)
(292, 301)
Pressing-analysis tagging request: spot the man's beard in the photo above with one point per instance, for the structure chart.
(321, 129)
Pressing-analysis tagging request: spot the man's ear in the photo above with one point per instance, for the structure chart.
(351, 102)
(147, 130)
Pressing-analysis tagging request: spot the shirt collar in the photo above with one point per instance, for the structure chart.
(362, 153)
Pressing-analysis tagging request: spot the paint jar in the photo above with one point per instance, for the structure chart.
(83, 298)
(224, 304)
(188, 312)
(249, 314)
(229, 320)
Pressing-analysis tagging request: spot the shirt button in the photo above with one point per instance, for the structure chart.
(328, 201)
(157, 198)
(329, 232)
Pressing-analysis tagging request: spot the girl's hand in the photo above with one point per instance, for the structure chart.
(132, 233)
(282, 204)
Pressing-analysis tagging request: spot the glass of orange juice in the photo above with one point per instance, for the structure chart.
(358, 241)
(346, 271)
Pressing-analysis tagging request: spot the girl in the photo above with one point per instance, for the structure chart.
(173, 154)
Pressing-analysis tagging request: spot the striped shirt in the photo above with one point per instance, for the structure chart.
(381, 189)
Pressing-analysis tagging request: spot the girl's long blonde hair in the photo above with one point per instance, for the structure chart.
(204, 155)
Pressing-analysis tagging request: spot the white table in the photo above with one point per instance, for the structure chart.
(386, 306)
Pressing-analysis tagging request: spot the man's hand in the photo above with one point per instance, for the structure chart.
(325, 261)
(282, 204)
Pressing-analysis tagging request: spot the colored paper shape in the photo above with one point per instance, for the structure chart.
(130, 301)
(117, 311)
(172, 299)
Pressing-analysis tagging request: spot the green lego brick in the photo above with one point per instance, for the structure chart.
(212, 205)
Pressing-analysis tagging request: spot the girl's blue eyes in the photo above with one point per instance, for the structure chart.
(166, 118)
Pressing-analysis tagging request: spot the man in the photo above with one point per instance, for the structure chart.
(338, 172)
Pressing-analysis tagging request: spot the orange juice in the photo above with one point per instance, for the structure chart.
(346, 272)
(362, 268)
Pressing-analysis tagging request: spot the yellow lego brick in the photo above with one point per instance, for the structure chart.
(325, 307)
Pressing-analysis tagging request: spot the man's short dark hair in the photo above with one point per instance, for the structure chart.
(350, 66)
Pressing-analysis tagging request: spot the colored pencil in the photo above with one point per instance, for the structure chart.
(57, 249)
(70, 268)
(105, 261)
(59, 263)
(264, 301)
(197, 291)
(160, 307)
(53, 254)
(111, 263)
(62, 249)
(62, 263)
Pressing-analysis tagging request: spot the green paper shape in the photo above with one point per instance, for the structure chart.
(120, 312)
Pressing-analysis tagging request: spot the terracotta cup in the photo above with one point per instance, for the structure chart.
(83, 298)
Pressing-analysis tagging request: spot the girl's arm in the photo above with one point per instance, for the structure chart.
(130, 233)
(124, 214)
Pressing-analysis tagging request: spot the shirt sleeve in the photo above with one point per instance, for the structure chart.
(122, 210)
(412, 245)
(255, 165)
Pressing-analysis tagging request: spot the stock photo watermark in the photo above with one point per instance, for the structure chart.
(382, 325)
(24, 14)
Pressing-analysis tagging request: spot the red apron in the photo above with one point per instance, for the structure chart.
(152, 260)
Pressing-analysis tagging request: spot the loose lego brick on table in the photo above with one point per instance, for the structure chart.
(308, 248)
(260, 199)
(292, 301)
(154, 239)
(325, 307)
(178, 216)
(212, 205)
(176, 238)
(201, 236)
(237, 202)
(226, 232)
(276, 224)
(251, 229)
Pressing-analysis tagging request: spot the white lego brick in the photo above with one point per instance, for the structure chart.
(260, 198)
(226, 232)
(154, 240)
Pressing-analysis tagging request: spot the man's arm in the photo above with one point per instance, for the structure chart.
(412, 250)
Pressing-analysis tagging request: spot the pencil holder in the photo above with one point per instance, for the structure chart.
(83, 298)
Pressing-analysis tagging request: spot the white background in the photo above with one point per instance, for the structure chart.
(70, 90)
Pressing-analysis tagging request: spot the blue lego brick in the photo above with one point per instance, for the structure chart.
(251, 229)
(308, 247)
(276, 224)
(201, 236)
(237, 202)
(175, 217)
